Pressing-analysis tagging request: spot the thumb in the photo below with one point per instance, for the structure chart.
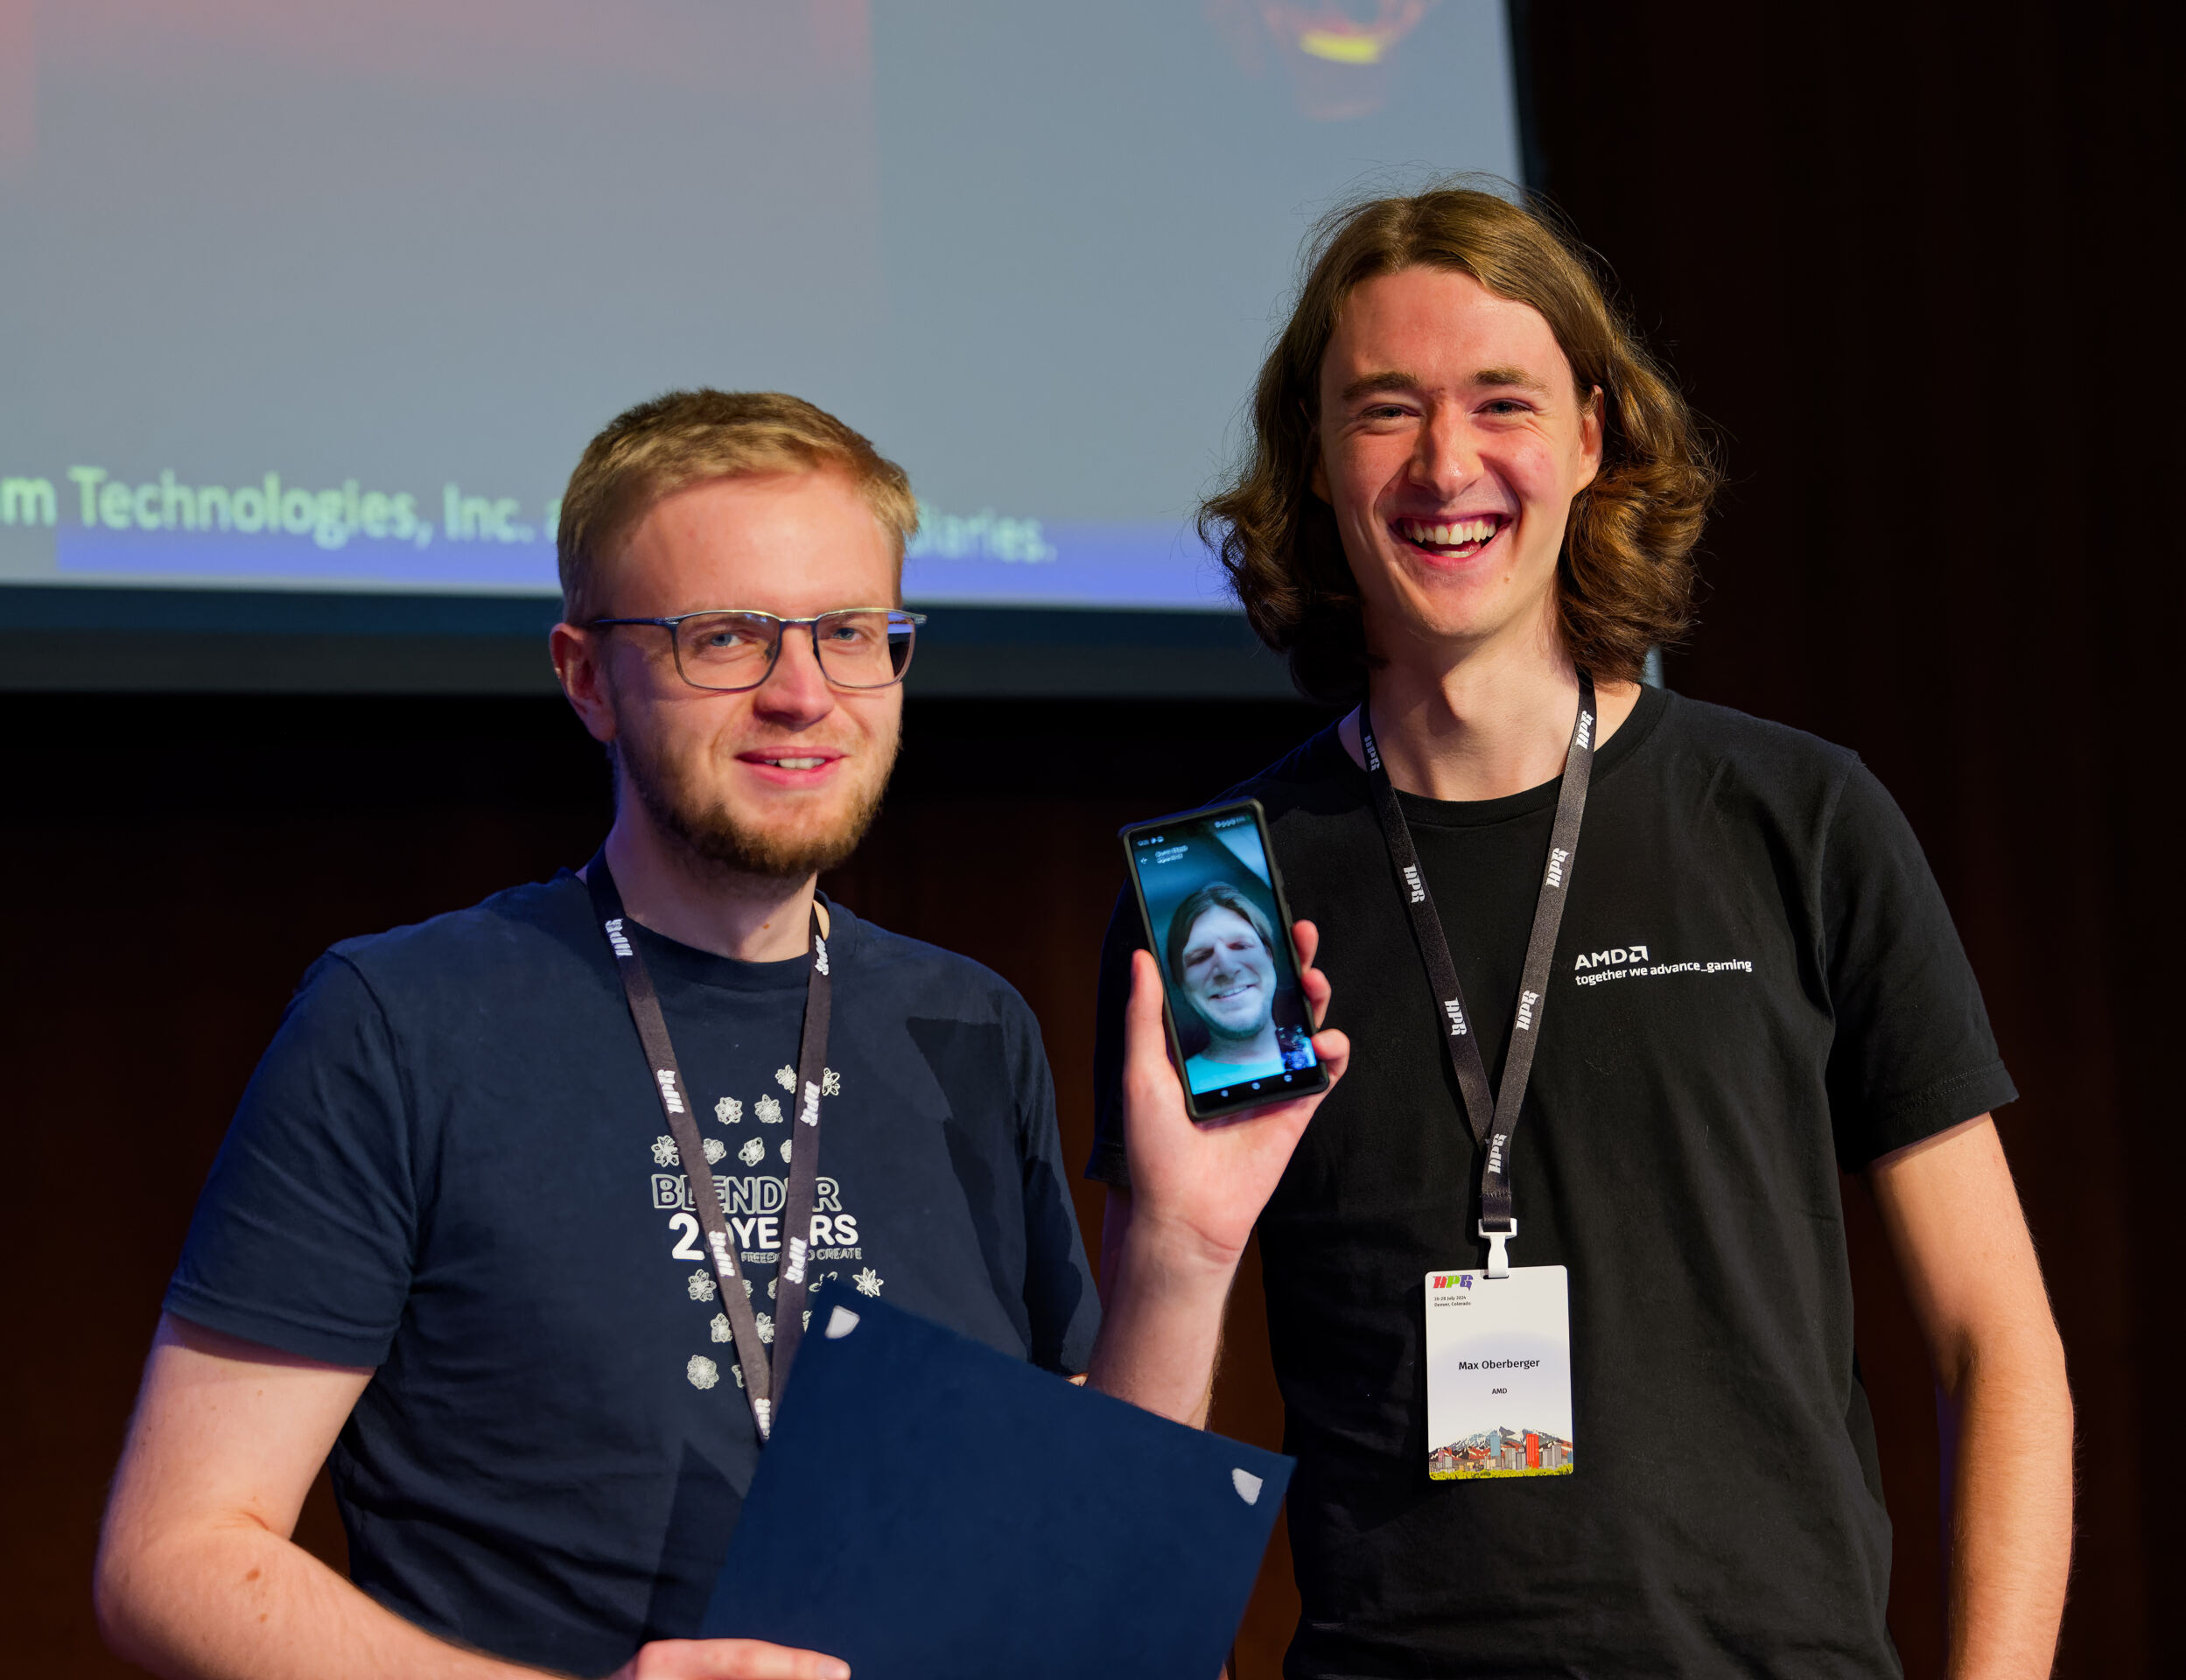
(1146, 1045)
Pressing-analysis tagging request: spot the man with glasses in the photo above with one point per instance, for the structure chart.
(525, 1204)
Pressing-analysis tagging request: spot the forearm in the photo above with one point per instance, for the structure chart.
(1170, 1244)
(234, 1600)
(1161, 1323)
(2011, 1519)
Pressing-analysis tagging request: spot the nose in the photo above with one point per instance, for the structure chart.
(1447, 458)
(796, 693)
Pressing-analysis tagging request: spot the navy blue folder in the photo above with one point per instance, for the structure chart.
(929, 1507)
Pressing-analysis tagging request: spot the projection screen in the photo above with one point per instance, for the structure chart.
(327, 297)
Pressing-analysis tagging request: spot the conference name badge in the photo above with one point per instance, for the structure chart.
(1498, 1374)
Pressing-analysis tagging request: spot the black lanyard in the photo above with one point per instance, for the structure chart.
(763, 1380)
(1493, 1117)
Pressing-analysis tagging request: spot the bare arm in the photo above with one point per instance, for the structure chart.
(1961, 1243)
(1115, 1230)
(1170, 1247)
(198, 1578)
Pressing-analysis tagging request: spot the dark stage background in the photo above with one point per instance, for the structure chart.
(1915, 263)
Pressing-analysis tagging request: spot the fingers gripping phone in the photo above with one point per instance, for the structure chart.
(1211, 902)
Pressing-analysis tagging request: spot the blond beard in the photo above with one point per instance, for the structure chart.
(712, 835)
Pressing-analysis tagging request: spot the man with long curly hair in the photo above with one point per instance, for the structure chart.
(1631, 979)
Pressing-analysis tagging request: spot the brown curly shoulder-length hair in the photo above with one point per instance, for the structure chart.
(1625, 579)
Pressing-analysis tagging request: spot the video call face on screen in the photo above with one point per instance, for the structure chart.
(1213, 914)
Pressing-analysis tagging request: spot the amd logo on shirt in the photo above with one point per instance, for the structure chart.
(1637, 963)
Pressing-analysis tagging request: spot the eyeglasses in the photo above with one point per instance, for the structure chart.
(857, 646)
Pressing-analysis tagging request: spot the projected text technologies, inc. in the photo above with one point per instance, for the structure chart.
(331, 517)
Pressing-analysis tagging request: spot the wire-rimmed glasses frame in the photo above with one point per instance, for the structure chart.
(717, 642)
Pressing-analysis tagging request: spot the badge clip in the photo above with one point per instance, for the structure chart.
(1498, 1261)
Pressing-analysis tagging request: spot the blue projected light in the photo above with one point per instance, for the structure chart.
(330, 298)
(1083, 565)
(217, 557)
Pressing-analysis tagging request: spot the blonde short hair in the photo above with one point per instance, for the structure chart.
(687, 437)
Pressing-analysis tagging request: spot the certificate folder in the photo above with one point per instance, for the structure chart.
(928, 1506)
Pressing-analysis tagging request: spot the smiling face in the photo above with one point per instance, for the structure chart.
(1452, 439)
(782, 780)
(1228, 974)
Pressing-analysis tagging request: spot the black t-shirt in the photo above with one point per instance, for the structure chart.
(1757, 983)
(450, 1165)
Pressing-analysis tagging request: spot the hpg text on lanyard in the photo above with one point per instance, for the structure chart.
(763, 1379)
(1492, 1116)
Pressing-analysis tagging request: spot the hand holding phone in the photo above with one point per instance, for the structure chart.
(1239, 1026)
(1216, 1173)
(1224, 1063)
(1225, 1059)
(1171, 1243)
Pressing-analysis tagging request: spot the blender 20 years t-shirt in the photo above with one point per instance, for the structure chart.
(450, 1166)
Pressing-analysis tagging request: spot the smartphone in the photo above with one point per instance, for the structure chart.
(1211, 901)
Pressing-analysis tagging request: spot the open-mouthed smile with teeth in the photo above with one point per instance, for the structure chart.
(1451, 539)
(790, 767)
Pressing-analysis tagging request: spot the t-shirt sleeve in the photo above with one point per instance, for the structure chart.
(1108, 1164)
(1913, 1054)
(305, 1237)
(1063, 1308)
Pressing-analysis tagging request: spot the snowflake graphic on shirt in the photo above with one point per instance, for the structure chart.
(830, 1082)
(786, 1076)
(784, 1148)
(868, 1282)
(702, 1286)
(715, 1149)
(752, 1152)
(701, 1371)
(728, 1110)
(766, 1111)
(720, 1327)
(765, 1322)
(664, 1152)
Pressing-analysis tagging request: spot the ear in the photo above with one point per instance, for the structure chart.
(580, 656)
(1591, 418)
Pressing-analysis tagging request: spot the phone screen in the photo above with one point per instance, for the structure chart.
(1218, 927)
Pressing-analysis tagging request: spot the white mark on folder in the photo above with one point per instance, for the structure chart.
(841, 1321)
(1244, 1481)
